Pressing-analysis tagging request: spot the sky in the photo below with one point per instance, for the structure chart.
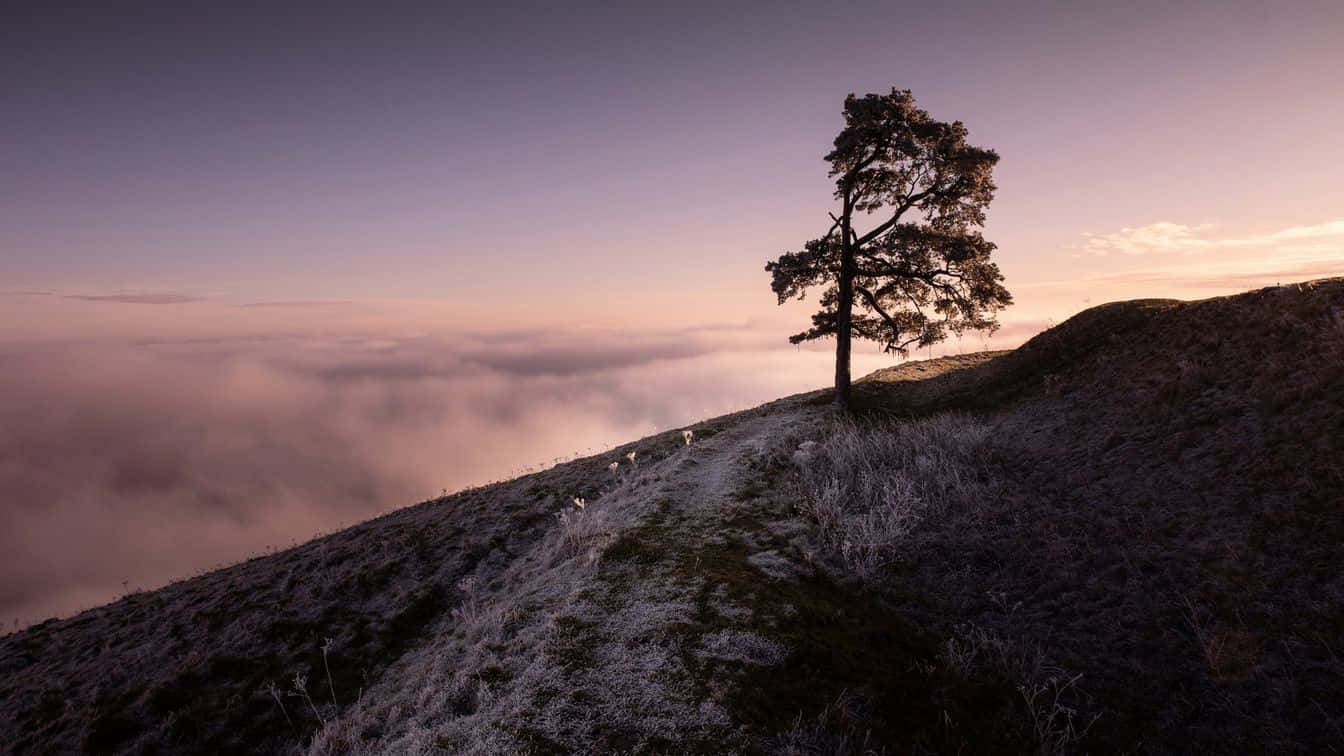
(268, 270)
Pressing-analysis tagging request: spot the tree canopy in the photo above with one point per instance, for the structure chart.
(922, 270)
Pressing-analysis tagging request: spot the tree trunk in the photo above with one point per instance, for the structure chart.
(842, 388)
(843, 312)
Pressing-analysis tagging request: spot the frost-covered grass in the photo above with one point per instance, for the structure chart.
(562, 648)
(871, 483)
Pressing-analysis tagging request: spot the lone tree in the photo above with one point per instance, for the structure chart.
(915, 278)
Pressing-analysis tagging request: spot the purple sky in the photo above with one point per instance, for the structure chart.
(242, 247)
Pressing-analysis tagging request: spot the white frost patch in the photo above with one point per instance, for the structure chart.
(806, 451)
(774, 564)
(732, 612)
(745, 647)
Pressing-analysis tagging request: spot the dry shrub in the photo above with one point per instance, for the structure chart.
(836, 731)
(1051, 701)
(582, 533)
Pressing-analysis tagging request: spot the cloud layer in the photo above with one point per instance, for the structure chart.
(126, 464)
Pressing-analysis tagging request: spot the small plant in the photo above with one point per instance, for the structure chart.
(301, 686)
(1000, 599)
(275, 693)
(687, 435)
(974, 653)
(1228, 655)
(326, 648)
(580, 530)
(579, 502)
(1052, 721)
(613, 466)
(835, 731)
(470, 610)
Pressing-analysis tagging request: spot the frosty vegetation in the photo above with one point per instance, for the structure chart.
(868, 487)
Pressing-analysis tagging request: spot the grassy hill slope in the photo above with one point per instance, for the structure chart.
(1123, 536)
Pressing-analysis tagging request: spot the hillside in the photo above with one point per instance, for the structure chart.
(1122, 536)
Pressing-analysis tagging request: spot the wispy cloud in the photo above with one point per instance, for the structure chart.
(140, 298)
(301, 303)
(1228, 276)
(1332, 229)
(1178, 238)
(27, 293)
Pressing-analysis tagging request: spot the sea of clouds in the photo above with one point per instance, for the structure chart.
(125, 464)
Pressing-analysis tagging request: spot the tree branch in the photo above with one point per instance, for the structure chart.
(909, 202)
(873, 303)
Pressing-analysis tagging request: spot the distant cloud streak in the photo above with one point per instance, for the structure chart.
(301, 303)
(145, 299)
(1176, 238)
(1227, 277)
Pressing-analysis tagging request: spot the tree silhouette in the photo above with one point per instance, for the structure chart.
(914, 279)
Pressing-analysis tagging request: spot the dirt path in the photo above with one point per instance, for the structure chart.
(711, 473)
(620, 632)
